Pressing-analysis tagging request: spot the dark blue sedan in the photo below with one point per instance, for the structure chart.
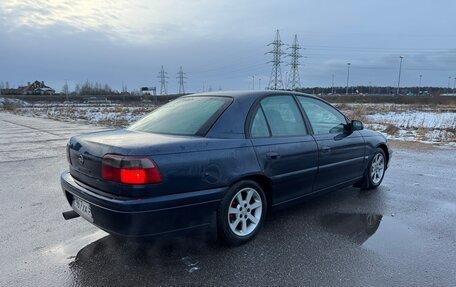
(219, 162)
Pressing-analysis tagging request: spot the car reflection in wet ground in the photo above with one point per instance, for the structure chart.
(159, 261)
(320, 249)
(281, 248)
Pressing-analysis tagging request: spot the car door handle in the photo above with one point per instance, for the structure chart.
(273, 155)
(325, 149)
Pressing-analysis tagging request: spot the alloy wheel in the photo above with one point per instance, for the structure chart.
(377, 168)
(244, 212)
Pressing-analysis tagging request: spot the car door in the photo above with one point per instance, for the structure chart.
(285, 150)
(341, 152)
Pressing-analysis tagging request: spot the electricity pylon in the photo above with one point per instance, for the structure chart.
(163, 76)
(275, 81)
(181, 76)
(294, 80)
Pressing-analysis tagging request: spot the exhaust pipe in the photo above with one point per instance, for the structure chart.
(70, 214)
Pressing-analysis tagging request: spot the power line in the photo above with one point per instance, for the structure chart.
(181, 77)
(162, 75)
(246, 68)
(231, 69)
(275, 81)
(323, 47)
(294, 80)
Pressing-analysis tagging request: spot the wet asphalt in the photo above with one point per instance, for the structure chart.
(403, 233)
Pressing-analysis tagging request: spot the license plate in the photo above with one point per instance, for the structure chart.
(82, 208)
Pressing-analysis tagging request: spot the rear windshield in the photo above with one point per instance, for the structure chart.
(184, 116)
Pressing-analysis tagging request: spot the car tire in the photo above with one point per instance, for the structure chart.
(241, 213)
(373, 176)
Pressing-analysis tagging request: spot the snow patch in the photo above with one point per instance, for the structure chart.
(5, 102)
(416, 119)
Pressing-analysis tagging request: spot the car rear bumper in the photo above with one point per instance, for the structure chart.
(144, 217)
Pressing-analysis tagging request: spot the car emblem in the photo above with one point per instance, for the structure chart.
(81, 159)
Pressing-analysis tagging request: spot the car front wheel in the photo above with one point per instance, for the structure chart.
(242, 212)
(375, 170)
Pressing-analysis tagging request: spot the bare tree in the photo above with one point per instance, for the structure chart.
(77, 89)
(66, 90)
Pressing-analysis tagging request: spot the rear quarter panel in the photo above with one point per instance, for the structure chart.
(207, 168)
(224, 157)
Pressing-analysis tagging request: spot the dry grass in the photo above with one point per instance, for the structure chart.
(357, 112)
(11, 107)
(396, 144)
(391, 129)
(452, 135)
(117, 123)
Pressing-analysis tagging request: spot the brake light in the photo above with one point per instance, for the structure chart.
(130, 169)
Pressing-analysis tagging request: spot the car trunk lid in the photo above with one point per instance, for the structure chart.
(86, 153)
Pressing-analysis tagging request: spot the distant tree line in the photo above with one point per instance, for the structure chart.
(374, 90)
(89, 88)
(86, 88)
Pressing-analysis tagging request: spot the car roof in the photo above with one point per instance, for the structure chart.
(248, 94)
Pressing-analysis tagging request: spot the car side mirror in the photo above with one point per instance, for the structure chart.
(356, 125)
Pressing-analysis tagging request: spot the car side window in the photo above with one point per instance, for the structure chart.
(259, 125)
(283, 116)
(324, 118)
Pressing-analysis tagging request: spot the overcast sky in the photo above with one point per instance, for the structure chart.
(223, 43)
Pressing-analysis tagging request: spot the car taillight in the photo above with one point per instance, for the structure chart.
(68, 154)
(130, 169)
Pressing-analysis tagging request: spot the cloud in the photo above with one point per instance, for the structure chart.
(221, 43)
(135, 21)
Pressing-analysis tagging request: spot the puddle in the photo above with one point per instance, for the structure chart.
(356, 227)
(384, 235)
(159, 253)
(161, 260)
(69, 248)
(394, 238)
